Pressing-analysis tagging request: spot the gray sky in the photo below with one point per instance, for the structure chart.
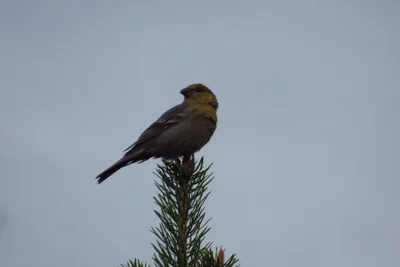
(305, 154)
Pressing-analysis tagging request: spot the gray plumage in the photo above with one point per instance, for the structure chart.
(180, 131)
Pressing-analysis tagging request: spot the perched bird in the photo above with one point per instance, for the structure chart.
(179, 132)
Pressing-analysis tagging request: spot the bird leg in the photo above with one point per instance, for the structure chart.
(169, 161)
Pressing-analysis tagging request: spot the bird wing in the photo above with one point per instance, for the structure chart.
(170, 118)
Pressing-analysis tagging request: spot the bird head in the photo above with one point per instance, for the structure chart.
(201, 94)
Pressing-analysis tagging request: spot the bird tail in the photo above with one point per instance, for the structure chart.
(112, 169)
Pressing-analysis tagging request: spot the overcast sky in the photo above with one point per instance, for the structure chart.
(306, 154)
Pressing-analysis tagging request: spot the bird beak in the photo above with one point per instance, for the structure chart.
(184, 92)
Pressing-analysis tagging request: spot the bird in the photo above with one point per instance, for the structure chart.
(179, 132)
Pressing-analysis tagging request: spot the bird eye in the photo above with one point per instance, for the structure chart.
(200, 90)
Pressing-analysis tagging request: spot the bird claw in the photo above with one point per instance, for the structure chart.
(184, 168)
